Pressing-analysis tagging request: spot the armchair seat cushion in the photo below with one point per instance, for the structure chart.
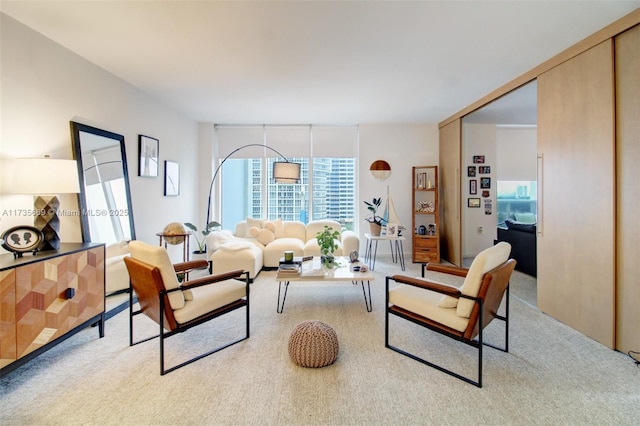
(208, 298)
(425, 303)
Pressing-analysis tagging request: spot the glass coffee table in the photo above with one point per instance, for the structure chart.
(312, 271)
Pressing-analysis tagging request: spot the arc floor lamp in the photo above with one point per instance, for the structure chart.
(283, 172)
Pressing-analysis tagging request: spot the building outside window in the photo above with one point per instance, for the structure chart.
(327, 188)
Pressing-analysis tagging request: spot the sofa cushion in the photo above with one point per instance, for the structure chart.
(318, 226)
(485, 261)
(265, 236)
(518, 226)
(276, 226)
(252, 223)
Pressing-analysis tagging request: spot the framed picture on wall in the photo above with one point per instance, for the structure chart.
(148, 151)
(473, 203)
(171, 179)
(484, 170)
(478, 159)
(473, 187)
(471, 171)
(485, 183)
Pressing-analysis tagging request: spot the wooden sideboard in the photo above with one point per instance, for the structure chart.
(46, 298)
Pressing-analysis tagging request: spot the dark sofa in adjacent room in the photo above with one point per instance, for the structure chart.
(522, 237)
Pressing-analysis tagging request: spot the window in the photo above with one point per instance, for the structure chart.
(517, 200)
(327, 181)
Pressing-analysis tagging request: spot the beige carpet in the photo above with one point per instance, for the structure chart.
(552, 375)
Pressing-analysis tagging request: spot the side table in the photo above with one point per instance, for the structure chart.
(178, 237)
(397, 251)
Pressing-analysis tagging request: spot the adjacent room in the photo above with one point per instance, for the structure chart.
(311, 212)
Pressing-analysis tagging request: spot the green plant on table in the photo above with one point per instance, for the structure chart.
(327, 242)
(202, 246)
(373, 207)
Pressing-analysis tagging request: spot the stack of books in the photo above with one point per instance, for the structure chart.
(290, 269)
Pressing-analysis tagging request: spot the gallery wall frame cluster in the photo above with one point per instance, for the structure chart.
(149, 165)
(478, 180)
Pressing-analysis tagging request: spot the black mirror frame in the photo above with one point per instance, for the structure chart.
(76, 128)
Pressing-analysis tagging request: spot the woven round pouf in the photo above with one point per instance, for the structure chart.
(313, 344)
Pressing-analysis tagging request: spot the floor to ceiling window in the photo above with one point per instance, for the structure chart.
(327, 186)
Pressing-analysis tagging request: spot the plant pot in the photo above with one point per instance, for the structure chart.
(375, 229)
(199, 255)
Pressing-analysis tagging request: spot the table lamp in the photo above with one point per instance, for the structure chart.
(47, 178)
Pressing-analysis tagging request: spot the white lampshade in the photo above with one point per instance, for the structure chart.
(45, 176)
(286, 172)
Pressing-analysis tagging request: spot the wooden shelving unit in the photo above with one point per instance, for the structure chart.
(425, 219)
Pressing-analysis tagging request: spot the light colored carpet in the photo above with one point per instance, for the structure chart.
(552, 374)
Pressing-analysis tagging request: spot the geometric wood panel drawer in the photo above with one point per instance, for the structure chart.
(47, 298)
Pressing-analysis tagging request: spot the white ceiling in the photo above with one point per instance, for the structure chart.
(325, 62)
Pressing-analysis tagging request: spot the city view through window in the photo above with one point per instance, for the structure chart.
(326, 191)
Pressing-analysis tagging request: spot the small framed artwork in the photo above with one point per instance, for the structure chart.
(473, 187)
(473, 203)
(171, 179)
(484, 170)
(478, 159)
(471, 171)
(21, 239)
(485, 183)
(392, 230)
(488, 207)
(431, 229)
(148, 152)
(485, 193)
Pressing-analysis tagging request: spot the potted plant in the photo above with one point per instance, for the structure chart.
(202, 244)
(327, 242)
(375, 221)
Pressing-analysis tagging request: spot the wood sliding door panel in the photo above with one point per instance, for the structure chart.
(450, 192)
(576, 144)
(627, 47)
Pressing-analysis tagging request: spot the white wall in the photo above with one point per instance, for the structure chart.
(402, 146)
(44, 86)
(479, 229)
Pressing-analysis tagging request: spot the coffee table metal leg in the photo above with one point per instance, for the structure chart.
(280, 306)
(367, 301)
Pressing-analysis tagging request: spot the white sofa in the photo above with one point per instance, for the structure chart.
(229, 251)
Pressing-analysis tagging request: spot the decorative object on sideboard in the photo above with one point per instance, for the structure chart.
(380, 169)
(45, 176)
(283, 171)
(21, 239)
(171, 179)
(148, 154)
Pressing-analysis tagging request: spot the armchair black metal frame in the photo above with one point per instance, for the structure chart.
(154, 303)
(495, 284)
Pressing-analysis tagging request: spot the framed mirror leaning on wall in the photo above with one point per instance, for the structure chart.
(105, 200)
